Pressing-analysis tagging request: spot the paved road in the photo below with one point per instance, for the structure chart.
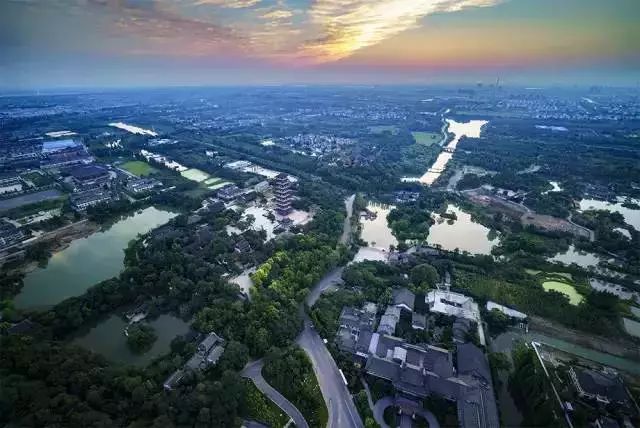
(334, 277)
(378, 410)
(253, 371)
(342, 410)
(406, 420)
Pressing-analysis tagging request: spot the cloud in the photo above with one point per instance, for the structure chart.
(231, 4)
(275, 15)
(346, 26)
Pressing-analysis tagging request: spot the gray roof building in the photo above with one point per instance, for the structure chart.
(389, 320)
(418, 322)
(354, 333)
(604, 386)
(403, 298)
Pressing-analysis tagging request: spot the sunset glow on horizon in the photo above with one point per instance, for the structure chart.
(204, 39)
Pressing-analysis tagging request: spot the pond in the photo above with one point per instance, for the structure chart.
(86, 261)
(631, 217)
(108, 339)
(567, 289)
(463, 233)
(581, 258)
(376, 232)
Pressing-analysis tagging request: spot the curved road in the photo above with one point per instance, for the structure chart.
(342, 409)
(406, 419)
(253, 371)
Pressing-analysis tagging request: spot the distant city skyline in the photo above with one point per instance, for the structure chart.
(121, 43)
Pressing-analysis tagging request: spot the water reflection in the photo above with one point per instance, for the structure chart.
(631, 217)
(376, 231)
(463, 233)
(581, 258)
(86, 261)
(108, 339)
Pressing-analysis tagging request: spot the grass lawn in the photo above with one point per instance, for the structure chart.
(138, 168)
(426, 138)
(532, 271)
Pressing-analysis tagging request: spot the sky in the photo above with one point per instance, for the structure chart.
(96, 43)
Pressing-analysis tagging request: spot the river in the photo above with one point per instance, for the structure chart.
(86, 261)
(471, 129)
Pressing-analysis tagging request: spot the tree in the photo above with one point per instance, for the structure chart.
(424, 276)
(140, 338)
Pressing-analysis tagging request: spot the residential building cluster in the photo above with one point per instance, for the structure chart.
(420, 371)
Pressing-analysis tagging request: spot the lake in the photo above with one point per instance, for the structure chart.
(86, 261)
(581, 258)
(631, 217)
(469, 129)
(464, 234)
(108, 339)
(377, 232)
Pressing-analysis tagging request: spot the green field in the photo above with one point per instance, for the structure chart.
(379, 129)
(426, 138)
(138, 168)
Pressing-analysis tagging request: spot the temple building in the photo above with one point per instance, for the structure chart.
(283, 194)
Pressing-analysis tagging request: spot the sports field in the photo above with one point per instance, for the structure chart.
(138, 168)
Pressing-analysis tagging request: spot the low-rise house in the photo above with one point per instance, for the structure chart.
(228, 192)
(404, 299)
(355, 330)
(10, 183)
(603, 386)
(389, 320)
(456, 305)
(141, 185)
(461, 329)
(418, 321)
(242, 246)
(10, 234)
(83, 200)
(207, 354)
